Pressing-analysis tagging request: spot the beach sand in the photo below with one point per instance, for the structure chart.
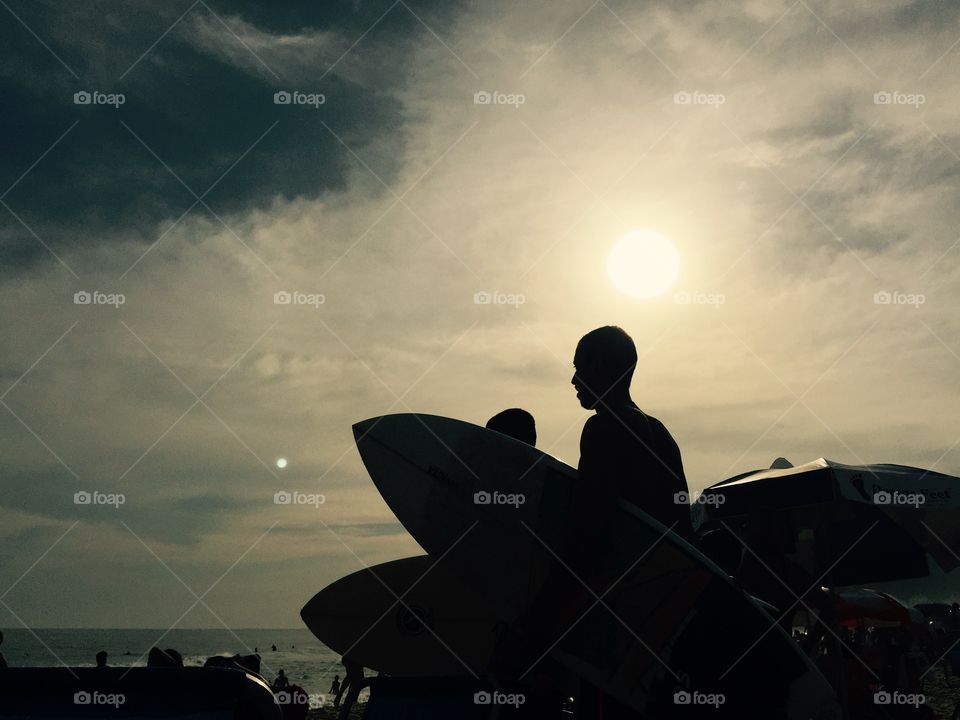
(942, 693)
(328, 713)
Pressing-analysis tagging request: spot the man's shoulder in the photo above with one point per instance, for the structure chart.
(658, 428)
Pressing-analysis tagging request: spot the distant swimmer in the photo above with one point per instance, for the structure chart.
(281, 683)
(102, 659)
(273, 647)
(515, 422)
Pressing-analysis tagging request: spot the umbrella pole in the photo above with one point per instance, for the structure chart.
(840, 675)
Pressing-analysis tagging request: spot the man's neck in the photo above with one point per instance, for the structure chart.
(616, 401)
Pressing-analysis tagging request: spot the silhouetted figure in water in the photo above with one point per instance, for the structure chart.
(335, 689)
(3, 660)
(273, 647)
(517, 423)
(281, 683)
(102, 659)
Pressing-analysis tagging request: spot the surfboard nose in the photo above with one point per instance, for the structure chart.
(362, 429)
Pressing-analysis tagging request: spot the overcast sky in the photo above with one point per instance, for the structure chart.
(801, 156)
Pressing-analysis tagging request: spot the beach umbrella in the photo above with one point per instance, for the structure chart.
(872, 607)
(872, 523)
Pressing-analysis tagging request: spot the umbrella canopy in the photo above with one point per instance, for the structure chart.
(871, 523)
(871, 606)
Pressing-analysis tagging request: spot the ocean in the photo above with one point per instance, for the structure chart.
(303, 658)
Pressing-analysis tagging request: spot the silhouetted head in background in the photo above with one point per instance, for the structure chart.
(603, 367)
(164, 658)
(517, 423)
(102, 658)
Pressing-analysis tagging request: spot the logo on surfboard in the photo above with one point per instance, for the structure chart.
(412, 620)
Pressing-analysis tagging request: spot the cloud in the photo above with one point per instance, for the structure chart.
(797, 199)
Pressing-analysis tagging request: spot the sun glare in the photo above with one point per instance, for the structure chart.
(643, 264)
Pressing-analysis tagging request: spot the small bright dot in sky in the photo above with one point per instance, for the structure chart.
(281, 463)
(643, 264)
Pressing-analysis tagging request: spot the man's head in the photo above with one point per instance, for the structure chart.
(604, 363)
(102, 658)
(517, 423)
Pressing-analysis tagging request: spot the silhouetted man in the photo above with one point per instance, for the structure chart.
(517, 423)
(624, 453)
(102, 659)
(353, 683)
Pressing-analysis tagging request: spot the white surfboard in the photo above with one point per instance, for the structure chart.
(672, 627)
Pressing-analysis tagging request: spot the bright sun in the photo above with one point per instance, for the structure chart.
(643, 264)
